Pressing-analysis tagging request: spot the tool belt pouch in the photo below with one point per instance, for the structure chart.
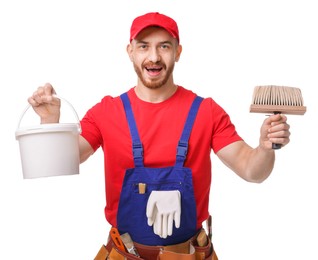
(117, 254)
(204, 252)
(183, 251)
(189, 250)
(102, 253)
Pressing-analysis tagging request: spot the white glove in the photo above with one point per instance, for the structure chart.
(162, 208)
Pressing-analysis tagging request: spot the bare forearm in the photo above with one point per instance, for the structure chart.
(259, 164)
(253, 165)
(85, 149)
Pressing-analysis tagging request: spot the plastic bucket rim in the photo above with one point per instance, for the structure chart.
(48, 128)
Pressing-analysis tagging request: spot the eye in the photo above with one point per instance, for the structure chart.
(143, 46)
(164, 46)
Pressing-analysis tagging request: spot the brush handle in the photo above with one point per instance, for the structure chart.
(276, 146)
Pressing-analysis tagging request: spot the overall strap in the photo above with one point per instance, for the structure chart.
(182, 148)
(136, 143)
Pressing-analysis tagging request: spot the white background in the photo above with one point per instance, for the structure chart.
(229, 47)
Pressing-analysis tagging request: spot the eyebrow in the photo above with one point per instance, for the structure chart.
(166, 42)
(145, 42)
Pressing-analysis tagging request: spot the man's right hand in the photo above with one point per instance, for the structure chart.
(45, 104)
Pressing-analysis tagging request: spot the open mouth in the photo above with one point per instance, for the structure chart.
(153, 69)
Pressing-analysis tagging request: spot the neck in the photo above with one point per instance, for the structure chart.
(155, 95)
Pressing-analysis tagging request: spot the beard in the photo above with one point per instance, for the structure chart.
(156, 83)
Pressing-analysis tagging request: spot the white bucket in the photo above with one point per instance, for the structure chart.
(49, 149)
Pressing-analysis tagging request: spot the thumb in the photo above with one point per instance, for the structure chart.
(150, 210)
(177, 216)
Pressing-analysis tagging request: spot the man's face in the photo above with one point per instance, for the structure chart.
(153, 53)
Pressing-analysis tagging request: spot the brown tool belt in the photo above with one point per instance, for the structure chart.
(189, 250)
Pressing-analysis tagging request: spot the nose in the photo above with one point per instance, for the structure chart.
(154, 55)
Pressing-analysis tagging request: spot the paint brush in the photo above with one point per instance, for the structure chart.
(277, 99)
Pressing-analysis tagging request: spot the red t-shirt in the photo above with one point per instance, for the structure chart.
(160, 126)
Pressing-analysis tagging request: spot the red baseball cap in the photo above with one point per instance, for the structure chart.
(154, 19)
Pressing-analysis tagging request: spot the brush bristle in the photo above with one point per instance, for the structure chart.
(277, 95)
(277, 99)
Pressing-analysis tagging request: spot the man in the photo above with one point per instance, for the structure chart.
(157, 139)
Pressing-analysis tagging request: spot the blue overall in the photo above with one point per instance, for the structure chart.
(131, 216)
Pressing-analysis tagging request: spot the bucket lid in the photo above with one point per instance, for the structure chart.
(48, 128)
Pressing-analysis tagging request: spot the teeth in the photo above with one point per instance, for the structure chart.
(153, 69)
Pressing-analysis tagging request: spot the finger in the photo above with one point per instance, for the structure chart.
(275, 118)
(37, 95)
(150, 207)
(165, 225)
(177, 217)
(170, 225)
(282, 141)
(48, 89)
(152, 218)
(158, 225)
(150, 221)
(279, 119)
(155, 227)
(280, 128)
(155, 223)
(32, 102)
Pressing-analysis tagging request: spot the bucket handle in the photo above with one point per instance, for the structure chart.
(63, 99)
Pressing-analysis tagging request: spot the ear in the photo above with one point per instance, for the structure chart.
(178, 53)
(129, 50)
